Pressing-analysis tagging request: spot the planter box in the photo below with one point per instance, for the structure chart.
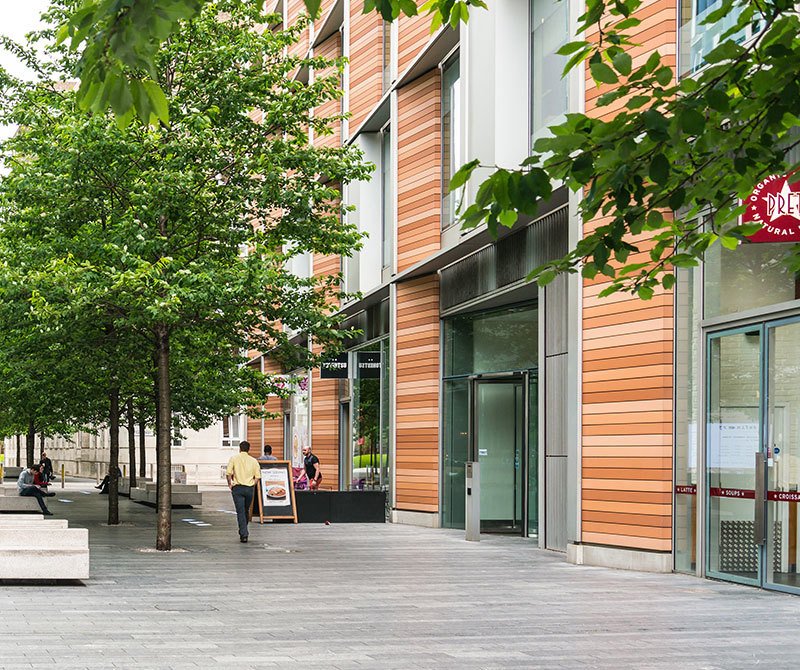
(341, 506)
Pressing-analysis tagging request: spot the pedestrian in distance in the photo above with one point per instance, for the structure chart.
(242, 473)
(47, 467)
(311, 470)
(26, 487)
(268, 453)
(103, 486)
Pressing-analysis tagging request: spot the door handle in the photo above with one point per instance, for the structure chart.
(759, 525)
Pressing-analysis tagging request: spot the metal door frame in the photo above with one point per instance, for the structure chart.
(521, 377)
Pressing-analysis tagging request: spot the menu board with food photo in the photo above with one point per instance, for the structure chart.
(276, 491)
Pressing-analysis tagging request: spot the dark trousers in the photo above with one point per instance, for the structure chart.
(242, 501)
(36, 493)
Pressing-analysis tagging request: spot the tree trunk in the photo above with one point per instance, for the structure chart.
(19, 456)
(30, 442)
(142, 449)
(41, 445)
(113, 461)
(131, 444)
(163, 442)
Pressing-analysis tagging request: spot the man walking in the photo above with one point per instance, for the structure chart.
(26, 487)
(243, 472)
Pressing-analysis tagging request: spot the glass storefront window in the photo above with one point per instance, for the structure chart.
(368, 458)
(754, 275)
(456, 446)
(687, 408)
(492, 341)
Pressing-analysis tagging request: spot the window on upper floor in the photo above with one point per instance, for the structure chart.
(697, 39)
(549, 90)
(452, 158)
(387, 199)
(386, 55)
(231, 430)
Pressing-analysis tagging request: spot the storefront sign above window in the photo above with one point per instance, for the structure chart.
(775, 203)
(369, 364)
(335, 368)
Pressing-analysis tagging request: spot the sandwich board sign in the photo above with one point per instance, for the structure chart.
(275, 496)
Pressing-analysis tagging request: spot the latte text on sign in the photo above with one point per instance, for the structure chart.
(775, 204)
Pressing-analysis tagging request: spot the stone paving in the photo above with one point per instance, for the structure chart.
(370, 596)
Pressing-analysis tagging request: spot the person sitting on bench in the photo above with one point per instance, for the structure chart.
(40, 479)
(26, 487)
(103, 486)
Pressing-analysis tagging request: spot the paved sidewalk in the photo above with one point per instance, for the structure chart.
(371, 596)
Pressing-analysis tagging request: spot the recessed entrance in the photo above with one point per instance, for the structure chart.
(499, 445)
(753, 455)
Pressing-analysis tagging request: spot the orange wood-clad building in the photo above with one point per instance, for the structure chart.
(618, 431)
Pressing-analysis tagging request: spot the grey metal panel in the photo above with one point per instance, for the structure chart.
(556, 405)
(556, 502)
(556, 316)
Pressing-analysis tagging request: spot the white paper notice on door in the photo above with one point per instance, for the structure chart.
(731, 446)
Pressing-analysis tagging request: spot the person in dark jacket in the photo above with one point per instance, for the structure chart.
(47, 468)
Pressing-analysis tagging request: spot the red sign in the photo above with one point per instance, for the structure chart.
(775, 204)
(732, 493)
(690, 490)
(784, 496)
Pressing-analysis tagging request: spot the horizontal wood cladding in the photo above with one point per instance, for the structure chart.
(419, 165)
(413, 33)
(627, 373)
(417, 395)
(366, 63)
(325, 427)
(330, 49)
(294, 8)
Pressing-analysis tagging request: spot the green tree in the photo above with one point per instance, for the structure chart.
(180, 233)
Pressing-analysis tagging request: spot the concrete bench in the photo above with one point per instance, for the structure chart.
(183, 495)
(30, 521)
(43, 552)
(17, 504)
(11, 472)
(125, 485)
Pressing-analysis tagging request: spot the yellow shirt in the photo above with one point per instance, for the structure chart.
(244, 468)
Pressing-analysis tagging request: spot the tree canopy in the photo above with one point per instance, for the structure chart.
(157, 253)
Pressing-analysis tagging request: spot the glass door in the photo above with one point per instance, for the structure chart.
(782, 456)
(733, 444)
(499, 424)
(753, 455)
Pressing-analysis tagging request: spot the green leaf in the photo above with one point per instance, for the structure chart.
(664, 76)
(623, 63)
(668, 281)
(571, 47)
(313, 7)
(729, 242)
(462, 176)
(508, 218)
(677, 198)
(692, 121)
(717, 100)
(659, 169)
(157, 99)
(603, 73)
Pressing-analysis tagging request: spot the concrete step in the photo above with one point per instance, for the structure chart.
(11, 516)
(19, 504)
(176, 488)
(11, 472)
(31, 522)
(44, 539)
(34, 563)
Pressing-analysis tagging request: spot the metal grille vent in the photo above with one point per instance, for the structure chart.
(505, 262)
